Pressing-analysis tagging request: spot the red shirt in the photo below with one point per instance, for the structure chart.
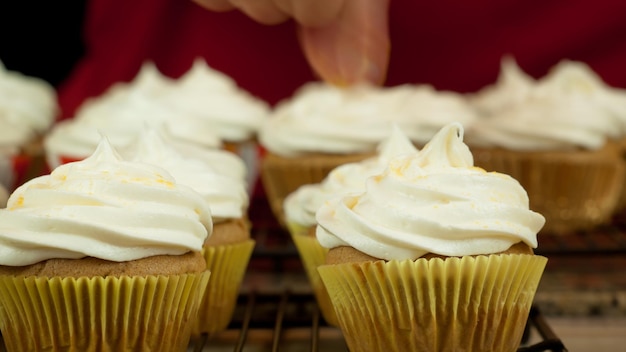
(451, 44)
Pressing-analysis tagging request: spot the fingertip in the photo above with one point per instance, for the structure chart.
(262, 11)
(354, 49)
(316, 13)
(215, 5)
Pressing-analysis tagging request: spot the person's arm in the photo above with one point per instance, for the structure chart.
(345, 41)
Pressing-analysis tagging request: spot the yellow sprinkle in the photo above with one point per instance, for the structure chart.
(18, 203)
(169, 184)
(351, 203)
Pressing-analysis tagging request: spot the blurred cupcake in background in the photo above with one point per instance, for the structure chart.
(511, 88)
(426, 110)
(229, 248)
(321, 127)
(102, 254)
(434, 255)
(28, 107)
(215, 97)
(122, 113)
(558, 137)
(301, 206)
(234, 114)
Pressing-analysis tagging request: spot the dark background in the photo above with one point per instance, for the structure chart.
(41, 38)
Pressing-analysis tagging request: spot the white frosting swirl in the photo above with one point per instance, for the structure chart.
(427, 110)
(301, 205)
(13, 135)
(214, 97)
(544, 124)
(567, 109)
(27, 100)
(122, 113)
(434, 201)
(323, 118)
(226, 195)
(577, 81)
(512, 87)
(102, 207)
(227, 163)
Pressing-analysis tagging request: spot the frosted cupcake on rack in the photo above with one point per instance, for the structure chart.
(558, 138)
(215, 97)
(435, 255)
(229, 248)
(122, 113)
(321, 127)
(28, 107)
(95, 245)
(301, 206)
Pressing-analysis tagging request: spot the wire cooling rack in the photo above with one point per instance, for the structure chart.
(290, 321)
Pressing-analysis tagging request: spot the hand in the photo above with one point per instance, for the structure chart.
(345, 41)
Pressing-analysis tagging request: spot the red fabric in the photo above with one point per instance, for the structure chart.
(452, 44)
(21, 164)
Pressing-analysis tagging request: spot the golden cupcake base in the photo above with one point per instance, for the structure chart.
(227, 264)
(458, 304)
(313, 255)
(143, 313)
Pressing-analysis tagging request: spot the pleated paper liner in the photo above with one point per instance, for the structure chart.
(458, 304)
(575, 190)
(142, 313)
(227, 264)
(282, 175)
(313, 255)
(621, 202)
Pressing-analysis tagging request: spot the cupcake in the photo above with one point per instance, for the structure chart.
(122, 113)
(229, 248)
(321, 127)
(102, 254)
(28, 107)
(559, 140)
(215, 98)
(301, 205)
(435, 255)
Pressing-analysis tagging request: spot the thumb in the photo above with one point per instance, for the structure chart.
(353, 48)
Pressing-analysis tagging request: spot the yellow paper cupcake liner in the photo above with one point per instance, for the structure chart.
(458, 304)
(227, 264)
(572, 190)
(148, 313)
(313, 255)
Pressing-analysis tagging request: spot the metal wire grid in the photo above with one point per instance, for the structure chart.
(276, 313)
(280, 312)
